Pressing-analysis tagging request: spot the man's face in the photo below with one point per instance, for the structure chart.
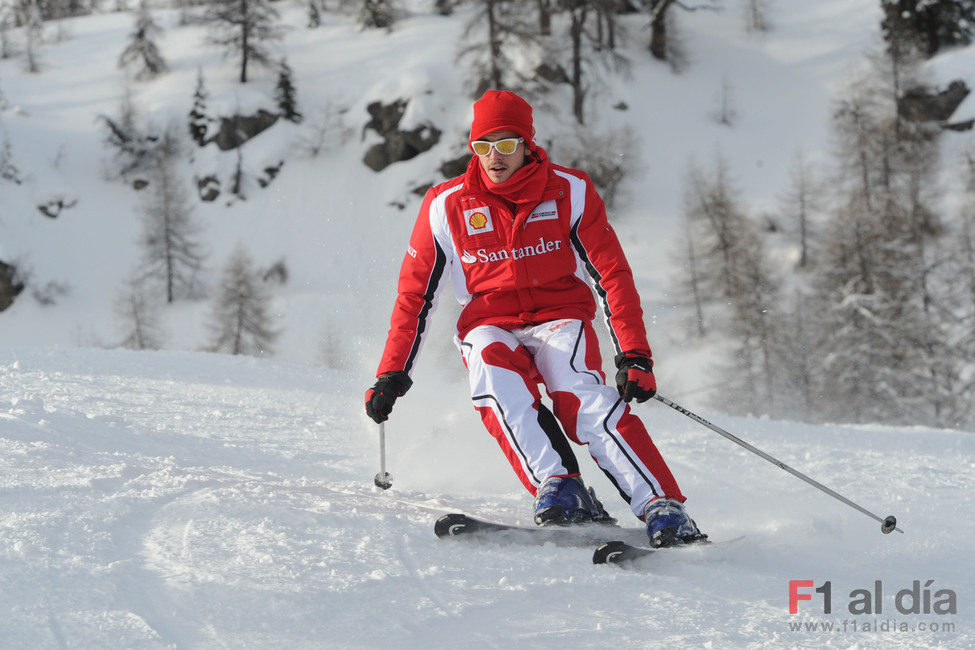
(500, 167)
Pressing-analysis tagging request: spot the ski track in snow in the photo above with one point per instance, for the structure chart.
(193, 500)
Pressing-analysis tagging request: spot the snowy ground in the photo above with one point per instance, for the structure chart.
(182, 499)
(191, 500)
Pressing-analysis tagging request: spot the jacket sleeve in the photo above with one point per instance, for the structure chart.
(420, 279)
(600, 251)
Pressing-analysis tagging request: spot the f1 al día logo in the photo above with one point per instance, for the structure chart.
(921, 597)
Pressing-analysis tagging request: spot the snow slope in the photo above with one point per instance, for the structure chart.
(192, 500)
(189, 500)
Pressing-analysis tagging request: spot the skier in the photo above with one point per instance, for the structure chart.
(516, 235)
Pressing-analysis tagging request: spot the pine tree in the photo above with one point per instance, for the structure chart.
(961, 270)
(134, 143)
(34, 30)
(444, 7)
(730, 268)
(243, 28)
(498, 30)
(6, 23)
(139, 313)
(718, 224)
(285, 94)
(199, 123)
(689, 279)
(928, 25)
(241, 322)
(578, 11)
(237, 180)
(314, 14)
(8, 170)
(377, 14)
(173, 253)
(142, 49)
(756, 12)
(604, 154)
(880, 286)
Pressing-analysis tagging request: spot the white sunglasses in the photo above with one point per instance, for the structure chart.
(504, 147)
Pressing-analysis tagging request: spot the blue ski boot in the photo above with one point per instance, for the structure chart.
(669, 525)
(565, 500)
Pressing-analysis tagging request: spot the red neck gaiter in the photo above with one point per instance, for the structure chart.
(525, 186)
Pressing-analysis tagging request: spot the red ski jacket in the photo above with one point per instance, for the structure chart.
(514, 264)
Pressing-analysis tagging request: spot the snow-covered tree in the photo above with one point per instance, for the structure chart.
(241, 321)
(138, 311)
(314, 14)
(377, 14)
(665, 42)
(721, 228)
(238, 178)
(142, 53)
(578, 11)
(324, 131)
(7, 48)
(134, 142)
(604, 154)
(199, 122)
(725, 114)
(756, 15)
(244, 28)
(496, 34)
(730, 269)
(34, 31)
(800, 203)
(928, 25)
(170, 238)
(8, 170)
(881, 284)
(286, 95)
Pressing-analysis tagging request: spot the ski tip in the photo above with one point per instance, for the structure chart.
(606, 553)
(450, 525)
(617, 552)
(609, 553)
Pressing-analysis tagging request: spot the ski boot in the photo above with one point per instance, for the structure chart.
(563, 500)
(669, 525)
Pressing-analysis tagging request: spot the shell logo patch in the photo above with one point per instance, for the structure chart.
(478, 221)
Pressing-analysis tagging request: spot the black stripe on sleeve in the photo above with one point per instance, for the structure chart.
(597, 280)
(436, 274)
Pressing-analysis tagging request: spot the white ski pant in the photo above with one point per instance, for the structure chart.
(505, 369)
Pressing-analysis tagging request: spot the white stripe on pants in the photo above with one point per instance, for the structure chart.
(502, 368)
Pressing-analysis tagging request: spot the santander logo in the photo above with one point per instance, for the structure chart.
(483, 255)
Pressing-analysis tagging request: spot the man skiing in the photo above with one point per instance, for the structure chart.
(517, 235)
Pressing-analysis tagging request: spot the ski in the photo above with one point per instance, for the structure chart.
(619, 552)
(461, 526)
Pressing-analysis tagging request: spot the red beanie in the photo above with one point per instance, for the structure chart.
(502, 110)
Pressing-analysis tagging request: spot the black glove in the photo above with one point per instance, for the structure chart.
(635, 379)
(381, 397)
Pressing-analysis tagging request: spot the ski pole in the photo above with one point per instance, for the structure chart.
(887, 525)
(383, 480)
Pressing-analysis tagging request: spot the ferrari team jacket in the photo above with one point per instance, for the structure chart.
(513, 265)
